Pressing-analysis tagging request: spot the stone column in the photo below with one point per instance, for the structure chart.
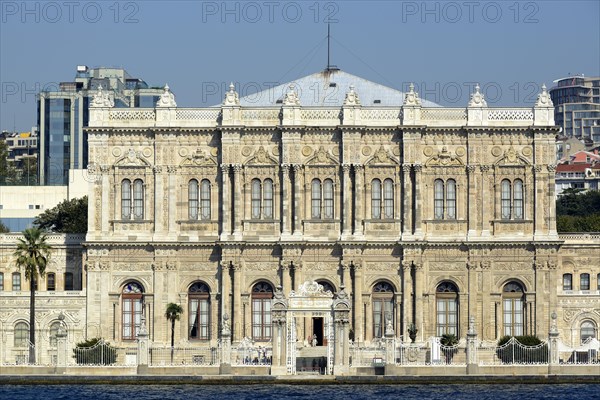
(286, 219)
(347, 281)
(237, 301)
(225, 289)
(538, 200)
(358, 302)
(226, 206)
(298, 200)
(142, 344)
(237, 201)
(407, 230)
(159, 226)
(550, 201)
(286, 278)
(359, 209)
(407, 293)
(104, 221)
(486, 201)
(172, 170)
(347, 198)
(472, 361)
(471, 201)
(418, 200)
(553, 343)
(225, 354)
(61, 344)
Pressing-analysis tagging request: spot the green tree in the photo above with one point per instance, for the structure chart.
(32, 254)
(69, 216)
(4, 228)
(173, 313)
(578, 211)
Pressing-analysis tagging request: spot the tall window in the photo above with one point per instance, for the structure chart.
(21, 334)
(53, 331)
(322, 199)
(135, 192)
(1, 281)
(262, 295)
(132, 306)
(388, 199)
(199, 200)
(379, 209)
(268, 199)
(51, 281)
(16, 282)
(262, 199)
(588, 330)
(68, 281)
(256, 190)
(447, 309)
(514, 307)
(567, 282)
(512, 199)
(199, 311)
(584, 282)
(376, 199)
(383, 307)
(316, 199)
(193, 199)
(444, 199)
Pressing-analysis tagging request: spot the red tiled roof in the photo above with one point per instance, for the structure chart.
(572, 167)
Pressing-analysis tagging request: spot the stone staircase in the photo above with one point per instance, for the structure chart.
(311, 360)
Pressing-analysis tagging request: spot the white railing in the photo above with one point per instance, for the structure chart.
(587, 353)
(164, 355)
(452, 114)
(136, 114)
(510, 114)
(251, 355)
(197, 114)
(367, 356)
(513, 353)
(103, 354)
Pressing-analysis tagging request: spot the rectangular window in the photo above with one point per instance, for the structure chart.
(328, 197)
(505, 199)
(447, 316)
(513, 317)
(68, 281)
(199, 319)
(16, 282)
(567, 282)
(51, 282)
(132, 317)
(1, 282)
(584, 282)
(438, 202)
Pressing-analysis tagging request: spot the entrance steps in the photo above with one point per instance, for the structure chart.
(312, 352)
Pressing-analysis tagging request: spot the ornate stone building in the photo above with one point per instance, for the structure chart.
(421, 215)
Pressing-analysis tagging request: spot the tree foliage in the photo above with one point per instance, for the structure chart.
(69, 216)
(4, 228)
(7, 170)
(577, 211)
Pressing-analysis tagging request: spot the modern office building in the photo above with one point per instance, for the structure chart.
(577, 107)
(63, 113)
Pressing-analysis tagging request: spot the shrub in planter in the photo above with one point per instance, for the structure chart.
(95, 351)
(514, 353)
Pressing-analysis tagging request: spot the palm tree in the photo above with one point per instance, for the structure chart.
(32, 254)
(173, 313)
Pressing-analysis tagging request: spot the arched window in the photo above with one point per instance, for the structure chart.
(21, 334)
(193, 199)
(1, 281)
(138, 199)
(268, 199)
(584, 282)
(16, 282)
(262, 295)
(51, 281)
(447, 309)
(451, 199)
(383, 307)
(199, 311)
(133, 209)
(514, 309)
(53, 331)
(518, 199)
(205, 199)
(567, 282)
(376, 199)
(388, 199)
(316, 199)
(132, 308)
(328, 198)
(126, 199)
(588, 330)
(69, 281)
(438, 199)
(255, 198)
(505, 195)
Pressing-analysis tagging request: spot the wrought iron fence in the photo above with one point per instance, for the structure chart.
(249, 353)
(191, 355)
(513, 353)
(103, 353)
(587, 353)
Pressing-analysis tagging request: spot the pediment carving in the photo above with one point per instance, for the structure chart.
(511, 157)
(199, 157)
(311, 289)
(444, 158)
(262, 157)
(132, 158)
(381, 156)
(322, 157)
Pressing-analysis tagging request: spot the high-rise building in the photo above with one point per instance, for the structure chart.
(63, 113)
(577, 107)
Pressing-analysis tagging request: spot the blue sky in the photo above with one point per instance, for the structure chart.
(509, 47)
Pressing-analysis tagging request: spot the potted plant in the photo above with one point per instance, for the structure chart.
(449, 342)
(412, 332)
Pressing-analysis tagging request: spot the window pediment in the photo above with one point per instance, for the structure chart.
(132, 158)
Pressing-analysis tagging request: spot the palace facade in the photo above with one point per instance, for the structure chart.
(419, 215)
